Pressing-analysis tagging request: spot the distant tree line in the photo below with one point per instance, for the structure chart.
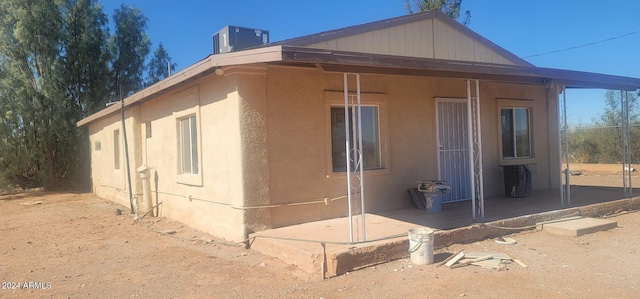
(59, 62)
(601, 141)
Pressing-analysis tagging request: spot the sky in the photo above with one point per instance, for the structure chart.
(523, 27)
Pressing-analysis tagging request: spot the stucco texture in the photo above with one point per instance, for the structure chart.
(264, 145)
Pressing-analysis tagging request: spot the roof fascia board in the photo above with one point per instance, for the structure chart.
(195, 71)
(333, 60)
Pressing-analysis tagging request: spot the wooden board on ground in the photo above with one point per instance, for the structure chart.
(477, 254)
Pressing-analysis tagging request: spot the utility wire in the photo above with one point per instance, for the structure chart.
(585, 45)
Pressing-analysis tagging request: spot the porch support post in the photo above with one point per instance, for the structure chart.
(475, 150)
(560, 146)
(626, 143)
(565, 187)
(348, 152)
(353, 152)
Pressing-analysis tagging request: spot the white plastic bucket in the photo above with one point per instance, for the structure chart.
(421, 245)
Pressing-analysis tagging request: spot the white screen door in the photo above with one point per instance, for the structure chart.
(453, 148)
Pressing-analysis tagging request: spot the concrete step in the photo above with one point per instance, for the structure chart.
(578, 227)
(330, 259)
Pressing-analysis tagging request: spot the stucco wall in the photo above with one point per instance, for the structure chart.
(211, 200)
(107, 181)
(264, 145)
(299, 140)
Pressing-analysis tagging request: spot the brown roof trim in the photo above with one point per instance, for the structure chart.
(191, 73)
(387, 64)
(340, 61)
(401, 20)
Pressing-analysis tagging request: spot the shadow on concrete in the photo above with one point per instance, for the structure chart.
(325, 247)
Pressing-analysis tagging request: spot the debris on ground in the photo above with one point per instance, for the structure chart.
(506, 241)
(32, 203)
(484, 259)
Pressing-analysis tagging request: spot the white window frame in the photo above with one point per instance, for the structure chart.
(189, 164)
(377, 148)
(188, 105)
(514, 136)
(516, 104)
(335, 99)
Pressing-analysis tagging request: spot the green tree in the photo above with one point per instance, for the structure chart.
(610, 134)
(55, 59)
(129, 47)
(86, 57)
(86, 73)
(35, 123)
(450, 8)
(159, 65)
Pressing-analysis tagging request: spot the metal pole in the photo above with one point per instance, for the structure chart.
(126, 153)
(347, 152)
(626, 96)
(361, 158)
(559, 107)
(470, 145)
(479, 146)
(624, 144)
(566, 147)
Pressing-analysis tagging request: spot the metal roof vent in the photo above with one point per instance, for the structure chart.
(234, 38)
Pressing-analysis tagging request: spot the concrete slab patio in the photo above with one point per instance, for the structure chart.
(323, 248)
(579, 227)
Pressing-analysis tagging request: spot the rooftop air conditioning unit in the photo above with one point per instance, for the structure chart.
(234, 38)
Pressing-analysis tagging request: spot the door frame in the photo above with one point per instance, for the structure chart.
(468, 146)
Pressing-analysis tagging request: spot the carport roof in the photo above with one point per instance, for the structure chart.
(365, 63)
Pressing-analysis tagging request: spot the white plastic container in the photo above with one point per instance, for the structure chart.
(421, 245)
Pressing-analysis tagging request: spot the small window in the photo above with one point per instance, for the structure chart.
(370, 138)
(116, 149)
(188, 145)
(97, 146)
(147, 127)
(516, 133)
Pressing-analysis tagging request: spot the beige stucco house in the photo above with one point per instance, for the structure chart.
(255, 139)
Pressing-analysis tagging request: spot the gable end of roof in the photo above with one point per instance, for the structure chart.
(397, 21)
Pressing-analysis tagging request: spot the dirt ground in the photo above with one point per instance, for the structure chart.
(602, 175)
(64, 245)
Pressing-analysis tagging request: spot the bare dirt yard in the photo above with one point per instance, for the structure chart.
(65, 245)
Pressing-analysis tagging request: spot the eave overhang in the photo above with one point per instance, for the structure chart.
(338, 61)
(364, 63)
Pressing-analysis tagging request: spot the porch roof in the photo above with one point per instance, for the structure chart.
(339, 61)
(355, 62)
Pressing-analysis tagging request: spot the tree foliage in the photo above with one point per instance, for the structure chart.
(86, 58)
(450, 8)
(58, 64)
(159, 65)
(129, 47)
(601, 141)
(35, 116)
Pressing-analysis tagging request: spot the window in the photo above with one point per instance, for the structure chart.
(97, 146)
(516, 133)
(370, 138)
(147, 126)
(188, 145)
(116, 149)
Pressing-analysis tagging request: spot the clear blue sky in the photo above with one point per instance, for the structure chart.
(524, 27)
